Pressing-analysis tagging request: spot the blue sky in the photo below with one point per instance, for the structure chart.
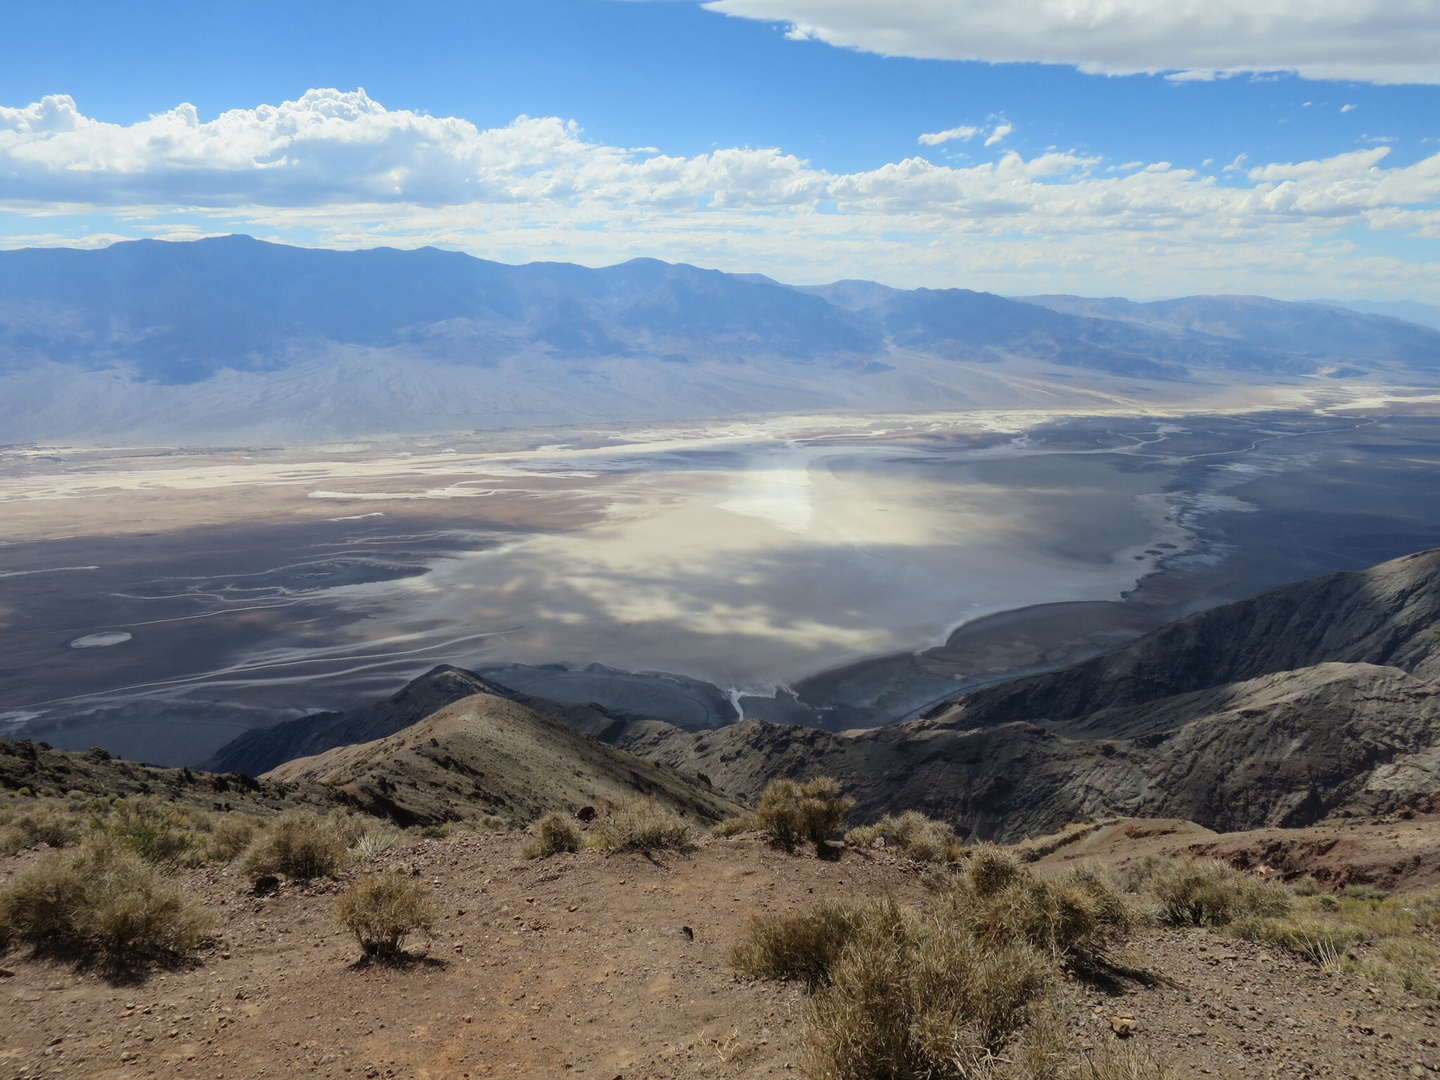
(771, 136)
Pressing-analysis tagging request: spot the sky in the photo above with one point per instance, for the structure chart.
(1143, 148)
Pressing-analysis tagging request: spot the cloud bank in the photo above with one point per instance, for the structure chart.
(336, 168)
(1379, 41)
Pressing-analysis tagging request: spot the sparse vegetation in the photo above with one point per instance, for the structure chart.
(299, 845)
(100, 903)
(922, 998)
(803, 947)
(158, 832)
(640, 825)
(1208, 892)
(734, 826)
(912, 835)
(230, 835)
(554, 833)
(1080, 918)
(382, 910)
(1118, 1061)
(792, 813)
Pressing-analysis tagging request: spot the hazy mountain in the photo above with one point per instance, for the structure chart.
(1409, 310)
(231, 338)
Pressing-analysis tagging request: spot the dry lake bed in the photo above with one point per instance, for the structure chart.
(836, 571)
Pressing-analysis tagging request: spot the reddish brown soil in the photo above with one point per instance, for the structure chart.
(578, 966)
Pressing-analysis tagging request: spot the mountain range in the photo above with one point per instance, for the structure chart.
(232, 337)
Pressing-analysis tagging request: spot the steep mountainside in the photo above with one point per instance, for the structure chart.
(1317, 699)
(487, 753)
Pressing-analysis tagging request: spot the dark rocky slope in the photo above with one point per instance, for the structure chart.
(261, 749)
(1313, 700)
(488, 754)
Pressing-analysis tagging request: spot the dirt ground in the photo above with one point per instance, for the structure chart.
(600, 967)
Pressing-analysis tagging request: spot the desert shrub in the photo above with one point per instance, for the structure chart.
(298, 845)
(156, 831)
(640, 825)
(792, 812)
(100, 903)
(554, 833)
(922, 999)
(1321, 941)
(912, 835)
(1079, 918)
(374, 841)
(1208, 892)
(1118, 1061)
(992, 870)
(804, 946)
(43, 824)
(1410, 962)
(230, 834)
(734, 826)
(382, 910)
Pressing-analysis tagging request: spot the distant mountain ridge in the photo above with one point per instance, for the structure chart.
(231, 335)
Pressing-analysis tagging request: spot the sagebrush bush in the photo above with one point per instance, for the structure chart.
(912, 835)
(804, 946)
(922, 998)
(100, 903)
(382, 910)
(1208, 892)
(554, 833)
(792, 813)
(640, 825)
(298, 845)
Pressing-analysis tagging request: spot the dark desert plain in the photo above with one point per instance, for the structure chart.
(835, 571)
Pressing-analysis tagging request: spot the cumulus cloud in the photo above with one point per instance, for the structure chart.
(998, 135)
(337, 168)
(963, 133)
(1380, 41)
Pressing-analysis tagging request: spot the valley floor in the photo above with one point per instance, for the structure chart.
(600, 967)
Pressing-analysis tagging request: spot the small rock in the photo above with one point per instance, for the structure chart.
(1124, 1026)
(689, 934)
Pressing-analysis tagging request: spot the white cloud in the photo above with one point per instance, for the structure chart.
(1381, 41)
(338, 169)
(998, 135)
(1348, 108)
(963, 133)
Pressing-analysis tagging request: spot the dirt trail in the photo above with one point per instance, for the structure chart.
(581, 966)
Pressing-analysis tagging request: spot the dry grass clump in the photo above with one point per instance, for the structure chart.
(912, 835)
(813, 811)
(923, 998)
(1117, 1061)
(1208, 892)
(299, 845)
(230, 834)
(640, 825)
(1079, 918)
(45, 823)
(803, 947)
(1323, 942)
(734, 826)
(156, 831)
(100, 903)
(554, 833)
(382, 910)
